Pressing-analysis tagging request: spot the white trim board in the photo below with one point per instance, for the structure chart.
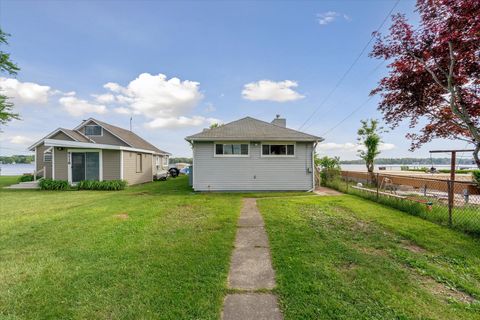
(54, 132)
(69, 161)
(88, 145)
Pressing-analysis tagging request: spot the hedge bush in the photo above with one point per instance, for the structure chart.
(26, 178)
(476, 176)
(111, 185)
(49, 184)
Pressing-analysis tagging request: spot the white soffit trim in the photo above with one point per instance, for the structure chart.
(88, 145)
(54, 132)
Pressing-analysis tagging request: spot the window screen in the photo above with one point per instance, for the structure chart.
(278, 149)
(231, 149)
(47, 157)
(93, 130)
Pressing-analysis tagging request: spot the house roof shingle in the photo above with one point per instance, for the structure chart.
(76, 135)
(129, 137)
(249, 128)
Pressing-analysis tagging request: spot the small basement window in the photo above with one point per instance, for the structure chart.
(278, 149)
(93, 130)
(231, 149)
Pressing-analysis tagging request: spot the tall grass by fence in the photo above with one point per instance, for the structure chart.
(452, 203)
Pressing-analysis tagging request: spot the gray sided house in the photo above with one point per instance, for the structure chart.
(250, 154)
(96, 150)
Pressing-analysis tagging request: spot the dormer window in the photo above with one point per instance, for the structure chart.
(93, 130)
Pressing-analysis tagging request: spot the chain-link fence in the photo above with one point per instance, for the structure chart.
(453, 203)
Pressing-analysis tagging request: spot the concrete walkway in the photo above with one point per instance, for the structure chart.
(251, 273)
(324, 191)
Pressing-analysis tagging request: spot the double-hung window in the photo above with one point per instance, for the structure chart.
(232, 149)
(274, 150)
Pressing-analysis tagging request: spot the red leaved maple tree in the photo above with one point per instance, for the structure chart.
(434, 72)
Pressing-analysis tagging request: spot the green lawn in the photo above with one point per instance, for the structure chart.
(160, 251)
(155, 251)
(350, 258)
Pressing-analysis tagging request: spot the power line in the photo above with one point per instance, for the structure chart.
(366, 77)
(348, 116)
(339, 82)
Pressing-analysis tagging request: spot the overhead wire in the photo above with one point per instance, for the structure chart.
(342, 78)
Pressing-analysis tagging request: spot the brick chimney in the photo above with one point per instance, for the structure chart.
(281, 122)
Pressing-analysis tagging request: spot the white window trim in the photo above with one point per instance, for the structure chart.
(53, 163)
(92, 135)
(69, 160)
(215, 155)
(141, 162)
(278, 155)
(121, 164)
(48, 150)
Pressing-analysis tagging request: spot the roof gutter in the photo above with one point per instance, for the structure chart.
(88, 145)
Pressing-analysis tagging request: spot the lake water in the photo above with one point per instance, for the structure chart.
(362, 167)
(16, 169)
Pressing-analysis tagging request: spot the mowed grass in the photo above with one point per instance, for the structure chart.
(156, 251)
(349, 258)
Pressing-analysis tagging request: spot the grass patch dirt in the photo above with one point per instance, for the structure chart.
(349, 258)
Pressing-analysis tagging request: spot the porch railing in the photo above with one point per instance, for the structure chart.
(37, 173)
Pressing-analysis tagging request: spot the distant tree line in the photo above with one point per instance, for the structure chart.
(181, 160)
(410, 161)
(17, 159)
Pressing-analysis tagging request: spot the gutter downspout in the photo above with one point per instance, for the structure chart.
(313, 166)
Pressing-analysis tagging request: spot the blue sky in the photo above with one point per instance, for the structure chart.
(178, 66)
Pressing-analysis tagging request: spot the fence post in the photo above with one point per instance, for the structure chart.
(378, 184)
(451, 196)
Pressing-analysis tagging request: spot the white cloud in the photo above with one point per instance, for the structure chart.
(271, 91)
(21, 140)
(123, 110)
(104, 98)
(387, 146)
(115, 87)
(78, 107)
(350, 147)
(155, 96)
(180, 122)
(165, 102)
(325, 18)
(331, 146)
(25, 92)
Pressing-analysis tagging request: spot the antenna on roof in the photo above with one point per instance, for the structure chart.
(130, 123)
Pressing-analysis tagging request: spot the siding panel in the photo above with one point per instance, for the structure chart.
(61, 136)
(39, 161)
(61, 164)
(111, 164)
(130, 168)
(253, 172)
(106, 138)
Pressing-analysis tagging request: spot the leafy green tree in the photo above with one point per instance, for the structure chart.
(329, 168)
(369, 137)
(10, 68)
(214, 125)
